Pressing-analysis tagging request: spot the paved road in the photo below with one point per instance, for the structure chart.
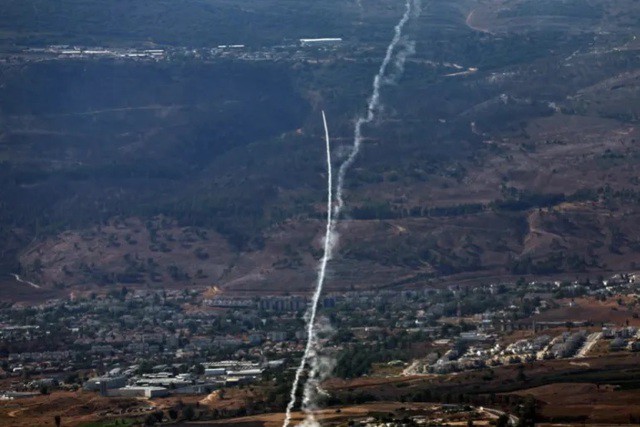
(513, 420)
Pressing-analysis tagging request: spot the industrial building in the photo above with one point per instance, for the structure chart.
(215, 372)
(323, 42)
(105, 383)
(135, 391)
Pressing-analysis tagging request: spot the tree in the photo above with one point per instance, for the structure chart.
(173, 414)
(528, 412)
(521, 376)
(503, 421)
(188, 412)
(58, 420)
(150, 420)
(145, 367)
(72, 378)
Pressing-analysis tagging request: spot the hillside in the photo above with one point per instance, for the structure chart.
(507, 148)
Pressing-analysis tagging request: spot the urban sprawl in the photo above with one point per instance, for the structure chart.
(151, 343)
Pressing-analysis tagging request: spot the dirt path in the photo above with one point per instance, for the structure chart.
(14, 414)
(411, 369)
(26, 282)
(469, 23)
(588, 344)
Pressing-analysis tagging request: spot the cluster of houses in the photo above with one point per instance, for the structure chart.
(236, 51)
(467, 326)
(67, 51)
(540, 347)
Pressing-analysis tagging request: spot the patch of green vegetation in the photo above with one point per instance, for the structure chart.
(522, 200)
(210, 111)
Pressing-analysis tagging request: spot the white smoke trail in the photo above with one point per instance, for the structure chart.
(311, 389)
(408, 48)
(313, 308)
(322, 366)
(412, 7)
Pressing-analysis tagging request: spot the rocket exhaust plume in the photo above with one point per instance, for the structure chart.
(313, 308)
(412, 8)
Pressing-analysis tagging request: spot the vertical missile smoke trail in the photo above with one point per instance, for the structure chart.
(411, 7)
(313, 308)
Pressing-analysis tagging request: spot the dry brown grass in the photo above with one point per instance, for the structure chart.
(593, 310)
(75, 408)
(599, 404)
(339, 416)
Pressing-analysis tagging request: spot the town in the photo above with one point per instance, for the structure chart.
(154, 343)
(290, 51)
(305, 50)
